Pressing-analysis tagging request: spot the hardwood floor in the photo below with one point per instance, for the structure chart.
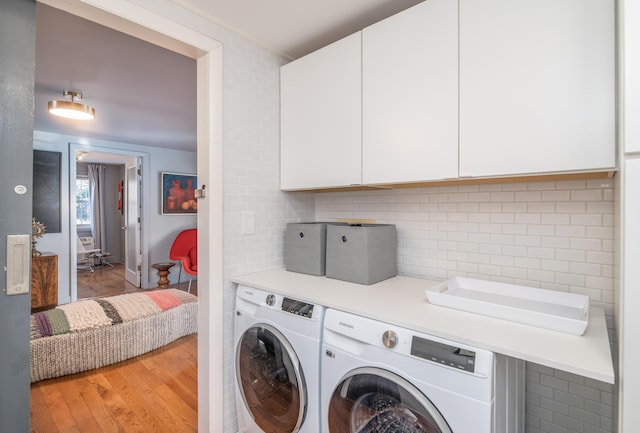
(106, 281)
(156, 392)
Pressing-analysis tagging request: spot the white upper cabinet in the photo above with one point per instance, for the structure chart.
(410, 95)
(537, 86)
(321, 139)
(455, 89)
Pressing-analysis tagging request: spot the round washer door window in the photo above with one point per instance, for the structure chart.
(271, 380)
(373, 400)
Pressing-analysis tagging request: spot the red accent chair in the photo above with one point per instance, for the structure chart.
(185, 250)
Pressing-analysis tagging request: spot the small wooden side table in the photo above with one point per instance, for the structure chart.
(44, 282)
(163, 272)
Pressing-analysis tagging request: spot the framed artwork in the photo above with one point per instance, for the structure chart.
(178, 193)
(120, 191)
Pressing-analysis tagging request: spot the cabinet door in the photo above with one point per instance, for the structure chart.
(320, 143)
(536, 86)
(410, 95)
(44, 281)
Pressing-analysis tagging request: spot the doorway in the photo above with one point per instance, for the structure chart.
(115, 227)
(108, 257)
(209, 53)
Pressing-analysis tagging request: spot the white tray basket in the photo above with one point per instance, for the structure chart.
(557, 311)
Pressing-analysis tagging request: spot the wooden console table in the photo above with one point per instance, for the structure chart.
(44, 282)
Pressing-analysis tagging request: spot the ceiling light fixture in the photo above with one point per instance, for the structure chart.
(72, 109)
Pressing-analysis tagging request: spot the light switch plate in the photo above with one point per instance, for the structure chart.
(248, 223)
(18, 264)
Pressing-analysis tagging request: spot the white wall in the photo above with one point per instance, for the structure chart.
(554, 235)
(159, 230)
(251, 181)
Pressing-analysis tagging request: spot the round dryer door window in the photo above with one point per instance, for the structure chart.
(271, 380)
(372, 400)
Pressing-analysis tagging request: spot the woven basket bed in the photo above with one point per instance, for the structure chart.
(92, 333)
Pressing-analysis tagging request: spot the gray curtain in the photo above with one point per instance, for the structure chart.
(96, 199)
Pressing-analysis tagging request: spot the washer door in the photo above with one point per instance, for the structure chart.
(270, 379)
(372, 400)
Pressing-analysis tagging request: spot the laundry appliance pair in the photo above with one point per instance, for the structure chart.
(303, 368)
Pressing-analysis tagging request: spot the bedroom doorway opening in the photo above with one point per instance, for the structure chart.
(106, 229)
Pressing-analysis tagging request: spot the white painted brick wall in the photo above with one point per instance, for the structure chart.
(252, 180)
(554, 235)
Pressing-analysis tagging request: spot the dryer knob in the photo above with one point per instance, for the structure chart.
(271, 299)
(390, 339)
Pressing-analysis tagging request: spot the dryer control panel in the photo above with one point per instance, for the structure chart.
(451, 356)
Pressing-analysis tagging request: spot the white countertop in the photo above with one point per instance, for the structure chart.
(402, 301)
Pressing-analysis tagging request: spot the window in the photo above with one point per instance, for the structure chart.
(83, 207)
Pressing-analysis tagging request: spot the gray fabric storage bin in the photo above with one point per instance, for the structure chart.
(364, 254)
(305, 248)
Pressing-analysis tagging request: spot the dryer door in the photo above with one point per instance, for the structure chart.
(369, 400)
(271, 380)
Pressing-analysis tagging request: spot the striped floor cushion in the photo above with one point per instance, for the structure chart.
(92, 333)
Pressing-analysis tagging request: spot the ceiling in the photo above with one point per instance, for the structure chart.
(293, 28)
(142, 93)
(145, 94)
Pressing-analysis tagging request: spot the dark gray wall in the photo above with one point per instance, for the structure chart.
(115, 220)
(17, 66)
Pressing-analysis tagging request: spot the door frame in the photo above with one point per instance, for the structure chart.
(143, 200)
(145, 24)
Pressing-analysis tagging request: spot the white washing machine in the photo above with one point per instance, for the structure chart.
(378, 377)
(277, 362)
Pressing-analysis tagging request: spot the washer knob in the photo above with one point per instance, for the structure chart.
(271, 299)
(390, 339)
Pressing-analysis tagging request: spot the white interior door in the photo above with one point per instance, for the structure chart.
(133, 252)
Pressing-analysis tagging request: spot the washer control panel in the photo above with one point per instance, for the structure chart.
(298, 308)
(444, 354)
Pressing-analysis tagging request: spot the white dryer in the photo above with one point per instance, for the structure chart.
(378, 377)
(277, 362)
